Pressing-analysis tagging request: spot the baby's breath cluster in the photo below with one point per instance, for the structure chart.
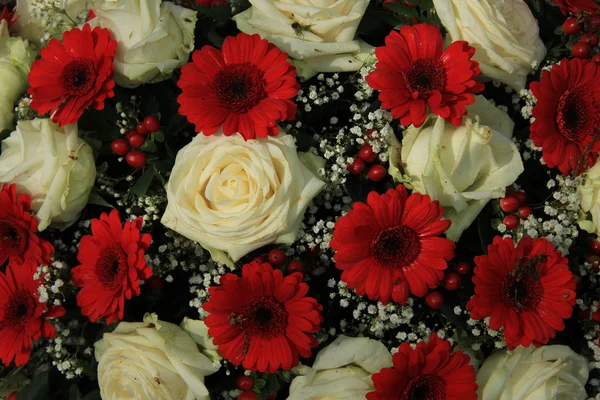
(209, 274)
(176, 252)
(53, 17)
(66, 349)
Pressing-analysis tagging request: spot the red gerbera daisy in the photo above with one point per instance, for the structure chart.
(567, 115)
(18, 239)
(22, 315)
(73, 75)
(112, 265)
(390, 245)
(245, 88)
(430, 372)
(8, 16)
(263, 320)
(573, 6)
(412, 73)
(527, 290)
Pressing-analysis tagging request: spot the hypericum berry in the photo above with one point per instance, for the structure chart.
(136, 140)
(509, 203)
(296, 266)
(244, 382)
(314, 251)
(141, 129)
(594, 261)
(589, 38)
(376, 173)
(521, 196)
(272, 396)
(136, 158)
(596, 59)
(277, 257)
(571, 26)
(151, 123)
(595, 246)
(248, 396)
(581, 50)
(366, 153)
(511, 221)
(594, 22)
(463, 268)
(12, 396)
(356, 167)
(131, 132)
(524, 211)
(259, 259)
(452, 281)
(434, 299)
(119, 146)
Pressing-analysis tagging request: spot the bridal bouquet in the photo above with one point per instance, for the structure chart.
(300, 199)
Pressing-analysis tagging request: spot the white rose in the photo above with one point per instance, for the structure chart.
(234, 195)
(463, 167)
(504, 33)
(151, 360)
(589, 196)
(546, 373)
(154, 38)
(341, 370)
(318, 34)
(15, 61)
(30, 26)
(52, 165)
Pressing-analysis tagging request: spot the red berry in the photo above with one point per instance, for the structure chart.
(136, 140)
(521, 196)
(366, 153)
(151, 123)
(594, 22)
(277, 257)
(296, 266)
(452, 281)
(376, 173)
(357, 166)
(590, 39)
(571, 26)
(136, 158)
(581, 50)
(131, 132)
(314, 251)
(511, 221)
(272, 396)
(12, 396)
(463, 268)
(141, 129)
(244, 382)
(259, 259)
(595, 246)
(434, 300)
(155, 283)
(119, 146)
(596, 59)
(524, 211)
(594, 261)
(248, 396)
(509, 203)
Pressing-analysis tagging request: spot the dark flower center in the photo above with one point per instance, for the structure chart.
(522, 289)
(239, 87)
(425, 387)
(396, 247)
(577, 116)
(425, 75)
(21, 307)
(78, 76)
(263, 317)
(12, 238)
(111, 266)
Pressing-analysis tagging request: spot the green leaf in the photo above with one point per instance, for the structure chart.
(176, 125)
(37, 389)
(259, 384)
(96, 199)
(403, 10)
(74, 393)
(95, 395)
(143, 183)
(149, 147)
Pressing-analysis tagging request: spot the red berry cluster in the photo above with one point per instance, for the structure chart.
(278, 258)
(246, 384)
(365, 156)
(590, 25)
(452, 281)
(515, 205)
(135, 139)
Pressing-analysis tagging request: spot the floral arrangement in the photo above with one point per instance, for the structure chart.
(300, 199)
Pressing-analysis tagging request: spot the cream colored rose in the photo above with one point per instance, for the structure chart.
(15, 61)
(29, 25)
(546, 373)
(52, 165)
(154, 38)
(151, 360)
(341, 370)
(234, 195)
(463, 167)
(589, 196)
(319, 35)
(504, 33)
